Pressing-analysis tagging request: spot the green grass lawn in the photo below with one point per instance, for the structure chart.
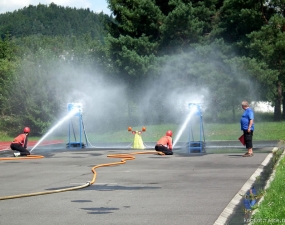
(212, 132)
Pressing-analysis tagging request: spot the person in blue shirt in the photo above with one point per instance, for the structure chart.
(247, 126)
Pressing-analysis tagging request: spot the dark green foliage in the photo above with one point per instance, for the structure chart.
(143, 32)
(180, 28)
(52, 20)
(268, 45)
(188, 22)
(8, 63)
(236, 18)
(161, 51)
(137, 18)
(256, 30)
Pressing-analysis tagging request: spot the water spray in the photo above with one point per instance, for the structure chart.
(68, 116)
(180, 132)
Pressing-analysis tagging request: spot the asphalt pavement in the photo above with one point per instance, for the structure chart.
(182, 189)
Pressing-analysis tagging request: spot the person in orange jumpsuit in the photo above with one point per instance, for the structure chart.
(164, 144)
(20, 143)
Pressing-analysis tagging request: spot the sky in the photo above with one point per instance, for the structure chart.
(96, 6)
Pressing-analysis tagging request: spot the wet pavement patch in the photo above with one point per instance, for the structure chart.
(81, 201)
(119, 188)
(100, 210)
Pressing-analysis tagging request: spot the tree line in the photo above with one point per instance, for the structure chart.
(234, 49)
(52, 20)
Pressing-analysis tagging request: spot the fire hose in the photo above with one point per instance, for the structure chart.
(124, 158)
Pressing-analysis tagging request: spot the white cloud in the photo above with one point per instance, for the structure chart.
(96, 6)
(11, 5)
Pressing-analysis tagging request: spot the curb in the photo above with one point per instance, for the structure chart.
(227, 212)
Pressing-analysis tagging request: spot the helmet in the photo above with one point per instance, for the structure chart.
(169, 133)
(27, 130)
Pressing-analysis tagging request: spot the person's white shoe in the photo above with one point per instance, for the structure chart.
(16, 154)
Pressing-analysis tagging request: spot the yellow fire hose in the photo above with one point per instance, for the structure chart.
(123, 157)
(23, 157)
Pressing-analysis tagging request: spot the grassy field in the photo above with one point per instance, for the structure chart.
(212, 132)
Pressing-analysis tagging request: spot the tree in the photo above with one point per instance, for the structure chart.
(144, 31)
(186, 23)
(255, 30)
(268, 45)
(132, 42)
(180, 28)
(8, 63)
(52, 20)
(237, 18)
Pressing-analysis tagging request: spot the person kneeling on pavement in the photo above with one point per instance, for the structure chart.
(20, 143)
(164, 144)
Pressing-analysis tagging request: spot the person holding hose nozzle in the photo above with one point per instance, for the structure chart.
(20, 143)
(164, 144)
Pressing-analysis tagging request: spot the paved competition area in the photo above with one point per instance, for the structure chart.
(183, 189)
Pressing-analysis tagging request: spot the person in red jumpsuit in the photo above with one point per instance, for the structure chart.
(164, 144)
(20, 143)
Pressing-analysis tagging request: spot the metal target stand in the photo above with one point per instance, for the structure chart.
(75, 143)
(196, 146)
